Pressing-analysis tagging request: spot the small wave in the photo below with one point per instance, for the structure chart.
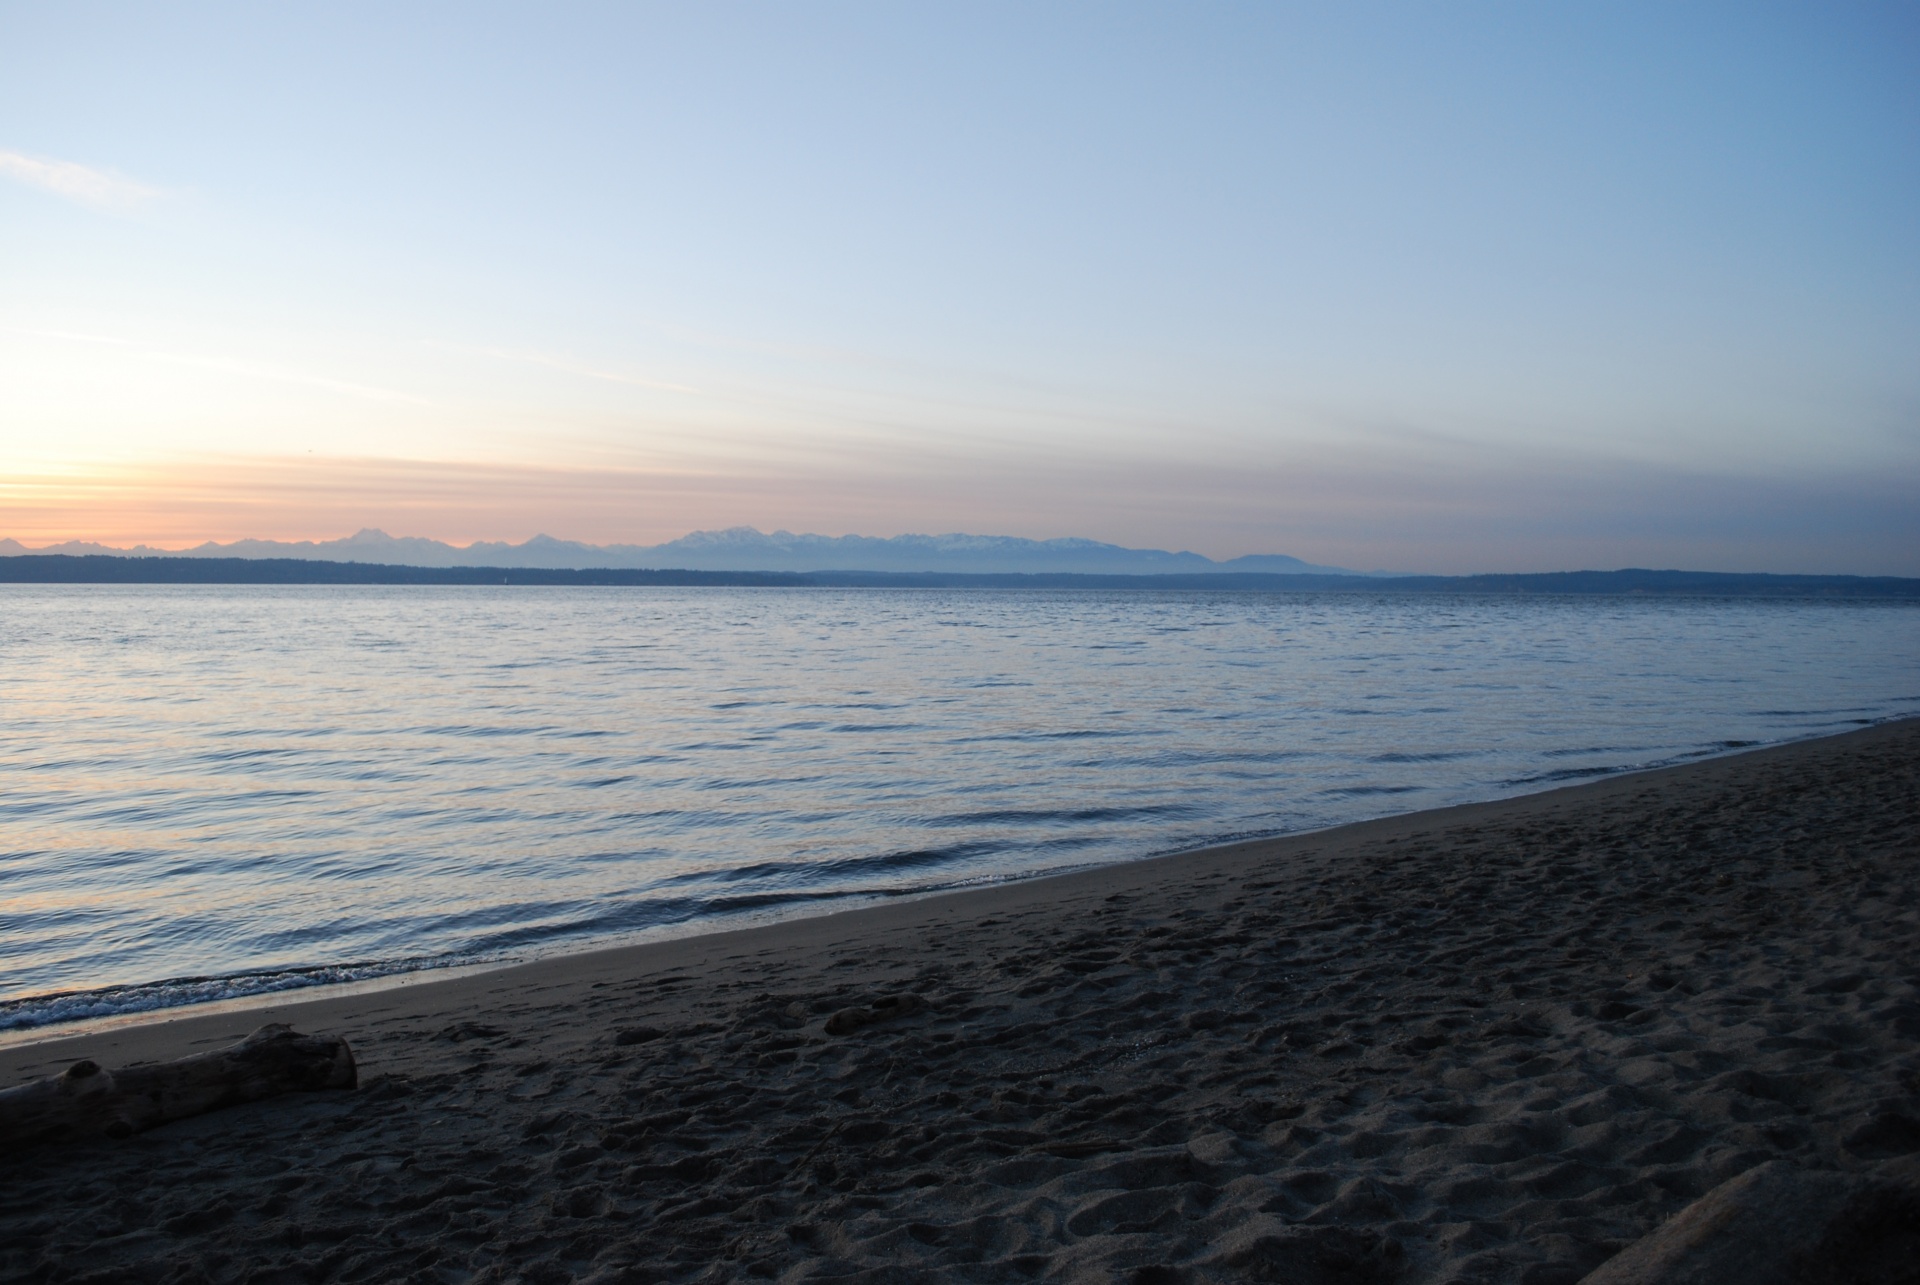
(1049, 816)
(1708, 750)
(1804, 713)
(1199, 758)
(1575, 773)
(795, 874)
(1577, 751)
(114, 1001)
(624, 918)
(1078, 734)
(486, 730)
(241, 756)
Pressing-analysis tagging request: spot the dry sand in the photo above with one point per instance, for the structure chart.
(1496, 1042)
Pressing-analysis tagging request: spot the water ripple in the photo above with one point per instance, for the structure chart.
(209, 791)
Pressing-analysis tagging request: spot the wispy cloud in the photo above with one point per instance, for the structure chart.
(283, 375)
(69, 335)
(98, 188)
(229, 365)
(572, 367)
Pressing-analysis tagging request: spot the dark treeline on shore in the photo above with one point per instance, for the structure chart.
(96, 569)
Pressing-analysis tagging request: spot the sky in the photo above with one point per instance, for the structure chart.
(1429, 287)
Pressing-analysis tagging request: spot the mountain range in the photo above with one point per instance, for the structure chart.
(735, 549)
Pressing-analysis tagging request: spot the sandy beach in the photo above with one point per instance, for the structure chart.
(1494, 1043)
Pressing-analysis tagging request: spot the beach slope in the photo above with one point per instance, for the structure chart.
(1492, 1043)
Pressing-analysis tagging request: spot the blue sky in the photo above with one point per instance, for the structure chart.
(1435, 287)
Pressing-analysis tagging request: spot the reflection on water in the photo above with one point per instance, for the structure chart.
(197, 782)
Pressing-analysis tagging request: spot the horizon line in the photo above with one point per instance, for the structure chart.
(402, 574)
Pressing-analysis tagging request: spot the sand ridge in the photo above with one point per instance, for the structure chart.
(1495, 1043)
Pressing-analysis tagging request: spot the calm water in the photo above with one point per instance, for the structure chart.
(226, 790)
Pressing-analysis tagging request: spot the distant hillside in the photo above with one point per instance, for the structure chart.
(737, 549)
(36, 568)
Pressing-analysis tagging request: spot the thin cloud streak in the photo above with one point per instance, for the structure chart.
(277, 374)
(76, 182)
(571, 367)
(229, 365)
(73, 337)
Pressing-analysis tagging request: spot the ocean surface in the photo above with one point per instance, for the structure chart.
(210, 792)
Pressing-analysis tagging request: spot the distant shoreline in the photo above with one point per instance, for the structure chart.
(103, 569)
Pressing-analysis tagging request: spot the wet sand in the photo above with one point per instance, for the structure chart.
(1490, 1043)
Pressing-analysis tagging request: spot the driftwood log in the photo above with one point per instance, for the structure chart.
(87, 1100)
(1778, 1225)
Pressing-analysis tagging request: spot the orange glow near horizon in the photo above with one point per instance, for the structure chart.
(185, 503)
(1343, 510)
